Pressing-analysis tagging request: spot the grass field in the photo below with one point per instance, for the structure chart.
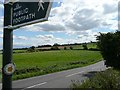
(90, 45)
(19, 51)
(44, 59)
(38, 63)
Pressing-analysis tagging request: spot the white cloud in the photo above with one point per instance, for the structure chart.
(76, 17)
(1, 35)
(1, 24)
(22, 37)
(79, 15)
(45, 36)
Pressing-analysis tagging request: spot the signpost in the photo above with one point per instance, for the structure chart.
(18, 14)
(25, 13)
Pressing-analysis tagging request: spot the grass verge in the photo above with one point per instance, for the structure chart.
(109, 79)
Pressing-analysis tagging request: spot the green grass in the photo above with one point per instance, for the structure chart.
(48, 58)
(38, 63)
(19, 51)
(90, 45)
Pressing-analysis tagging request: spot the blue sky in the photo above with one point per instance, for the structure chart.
(75, 21)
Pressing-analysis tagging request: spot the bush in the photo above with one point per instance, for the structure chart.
(109, 79)
(94, 49)
(71, 48)
(109, 44)
(65, 48)
(30, 50)
(55, 48)
(85, 46)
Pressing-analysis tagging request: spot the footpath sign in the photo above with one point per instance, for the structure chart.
(18, 14)
(25, 13)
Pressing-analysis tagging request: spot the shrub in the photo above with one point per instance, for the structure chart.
(109, 44)
(94, 49)
(71, 48)
(65, 48)
(30, 50)
(55, 48)
(109, 79)
(85, 46)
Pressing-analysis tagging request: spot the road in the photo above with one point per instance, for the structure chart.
(60, 79)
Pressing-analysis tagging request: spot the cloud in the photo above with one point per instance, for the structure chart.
(80, 18)
(1, 35)
(83, 20)
(1, 24)
(45, 36)
(110, 8)
(79, 15)
(22, 37)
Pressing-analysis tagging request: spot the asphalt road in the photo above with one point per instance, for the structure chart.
(60, 79)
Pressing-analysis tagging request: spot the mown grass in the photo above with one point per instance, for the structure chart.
(38, 63)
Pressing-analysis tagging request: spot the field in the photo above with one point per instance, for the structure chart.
(43, 62)
(38, 63)
(48, 58)
(19, 51)
(75, 47)
(90, 45)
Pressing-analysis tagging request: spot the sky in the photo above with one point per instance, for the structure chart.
(75, 21)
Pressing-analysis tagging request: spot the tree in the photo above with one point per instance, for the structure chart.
(55, 48)
(56, 44)
(109, 45)
(71, 48)
(33, 47)
(65, 48)
(85, 46)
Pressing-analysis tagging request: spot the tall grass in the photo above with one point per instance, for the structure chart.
(106, 80)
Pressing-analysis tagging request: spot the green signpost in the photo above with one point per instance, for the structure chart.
(18, 14)
(25, 13)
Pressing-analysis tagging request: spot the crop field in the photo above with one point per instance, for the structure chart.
(90, 45)
(39, 63)
(47, 58)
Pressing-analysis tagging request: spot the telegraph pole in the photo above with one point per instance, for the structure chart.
(7, 50)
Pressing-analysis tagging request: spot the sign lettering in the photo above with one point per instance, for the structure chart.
(25, 13)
